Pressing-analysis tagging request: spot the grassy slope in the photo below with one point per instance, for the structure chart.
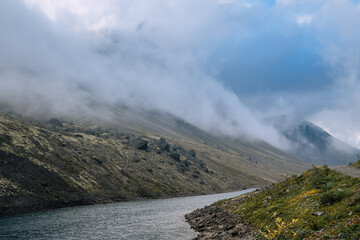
(49, 166)
(318, 204)
(256, 158)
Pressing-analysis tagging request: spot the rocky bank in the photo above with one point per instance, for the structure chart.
(213, 222)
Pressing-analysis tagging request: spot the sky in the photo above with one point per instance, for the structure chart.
(236, 67)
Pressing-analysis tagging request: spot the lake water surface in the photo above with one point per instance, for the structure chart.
(151, 219)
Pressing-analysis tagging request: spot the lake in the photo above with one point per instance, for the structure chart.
(150, 219)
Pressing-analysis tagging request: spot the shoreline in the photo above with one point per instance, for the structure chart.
(153, 219)
(49, 206)
(212, 222)
(217, 222)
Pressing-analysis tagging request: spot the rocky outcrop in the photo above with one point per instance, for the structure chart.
(217, 223)
(55, 122)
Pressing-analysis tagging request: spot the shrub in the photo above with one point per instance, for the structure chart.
(314, 223)
(355, 200)
(320, 176)
(357, 208)
(331, 197)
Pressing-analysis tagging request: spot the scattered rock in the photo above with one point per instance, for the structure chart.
(317, 213)
(192, 153)
(163, 145)
(181, 169)
(202, 164)
(96, 160)
(90, 132)
(136, 160)
(218, 223)
(175, 156)
(141, 144)
(56, 122)
(343, 235)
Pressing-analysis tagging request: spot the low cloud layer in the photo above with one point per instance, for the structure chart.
(231, 67)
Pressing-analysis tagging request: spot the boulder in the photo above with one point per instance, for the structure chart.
(141, 144)
(192, 153)
(56, 122)
(175, 156)
(163, 145)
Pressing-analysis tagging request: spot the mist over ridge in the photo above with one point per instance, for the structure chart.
(74, 57)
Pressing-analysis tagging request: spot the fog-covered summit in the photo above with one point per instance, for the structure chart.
(313, 144)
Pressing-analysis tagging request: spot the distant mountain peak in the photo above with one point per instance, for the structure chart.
(313, 144)
(313, 128)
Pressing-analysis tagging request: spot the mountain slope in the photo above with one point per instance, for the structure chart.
(314, 145)
(255, 156)
(60, 163)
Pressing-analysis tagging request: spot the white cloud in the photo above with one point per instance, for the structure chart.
(148, 56)
(94, 15)
(150, 53)
(304, 19)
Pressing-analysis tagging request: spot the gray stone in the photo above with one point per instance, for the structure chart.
(317, 213)
(175, 156)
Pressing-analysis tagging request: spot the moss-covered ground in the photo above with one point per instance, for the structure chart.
(318, 204)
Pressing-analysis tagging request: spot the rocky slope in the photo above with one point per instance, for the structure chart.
(318, 204)
(52, 164)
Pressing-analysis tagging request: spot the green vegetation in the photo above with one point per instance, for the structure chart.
(357, 164)
(318, 204)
